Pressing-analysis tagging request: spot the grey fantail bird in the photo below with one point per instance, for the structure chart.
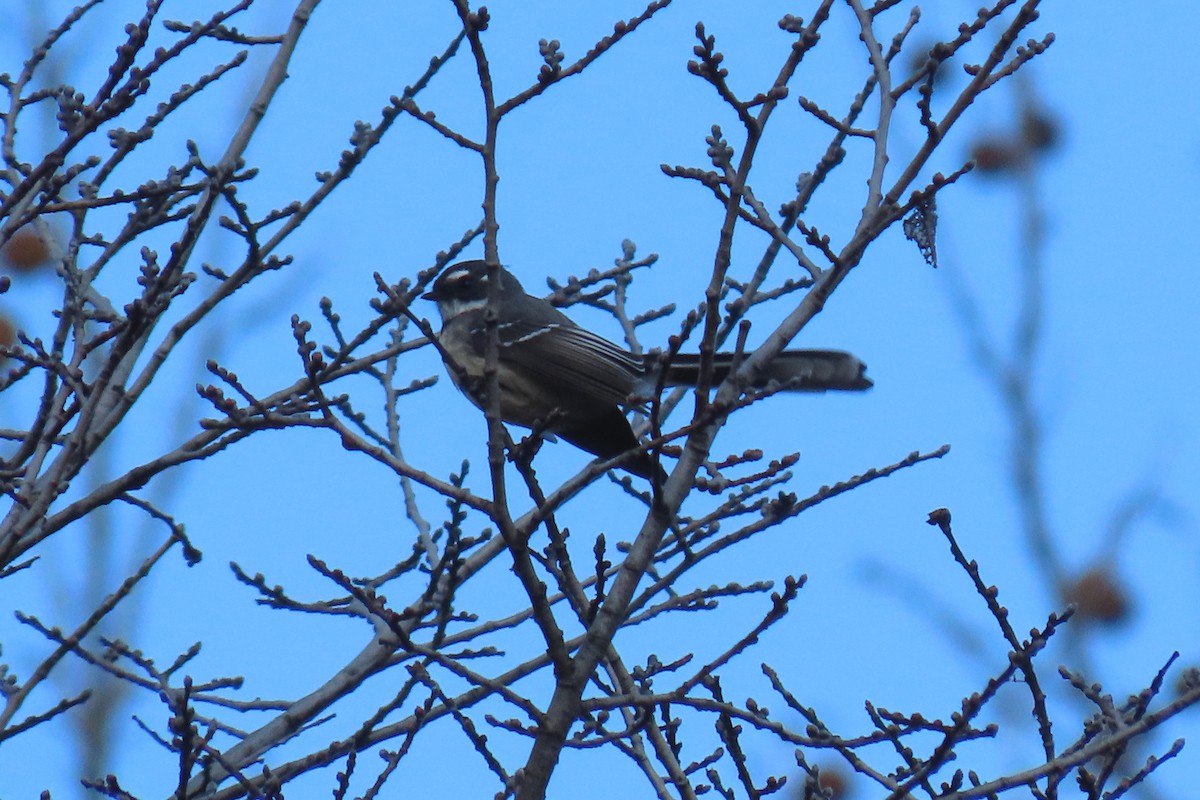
(559, 377)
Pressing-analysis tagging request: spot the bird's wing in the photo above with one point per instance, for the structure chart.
(572, 358)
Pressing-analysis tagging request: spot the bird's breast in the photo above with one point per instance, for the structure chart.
(523, 400)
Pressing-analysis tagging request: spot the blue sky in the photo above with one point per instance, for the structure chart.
(1115, 385)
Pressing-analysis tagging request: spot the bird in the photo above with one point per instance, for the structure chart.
(558, 377)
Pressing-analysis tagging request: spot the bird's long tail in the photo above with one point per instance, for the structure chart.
(794, 370)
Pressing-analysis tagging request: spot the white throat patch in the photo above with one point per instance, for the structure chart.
(453, 307)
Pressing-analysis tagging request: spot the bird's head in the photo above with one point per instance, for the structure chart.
(463, 287)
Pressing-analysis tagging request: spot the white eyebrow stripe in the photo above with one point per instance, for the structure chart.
(461, 274)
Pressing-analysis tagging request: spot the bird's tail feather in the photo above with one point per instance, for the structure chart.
(794, 370)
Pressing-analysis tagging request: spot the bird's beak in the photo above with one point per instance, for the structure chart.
(429, 296)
